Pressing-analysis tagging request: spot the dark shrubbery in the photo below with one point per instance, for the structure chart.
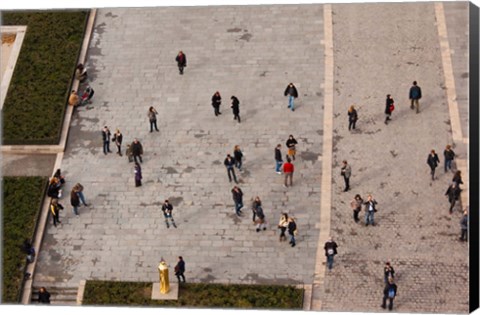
(22, 201)
(195, 295)
(37, 96)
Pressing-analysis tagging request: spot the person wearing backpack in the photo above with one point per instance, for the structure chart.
(389, 293)
(415, 94)
(330, 251)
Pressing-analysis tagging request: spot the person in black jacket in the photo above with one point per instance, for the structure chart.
(167, 209)
(292, 230)
(414, 95)
(330, 251)
(255, 204)
(432, 161)
(388, 272)
(137, 150)
(229, 164)
(352, 117)
(55, 208)
(43, 296)
(237, 196)
(453, 193)
(457, 178)
(181, 60)
(389, 293)
(449, 156)
(291, 145)
(238, 155)
(216, 102)
(370, 210)
(278, 159)
(106, 140)
(464, 226)
(180, 269)
(74, 201)
(291, 92)
(235, 108)
(389, 107)
(117, 138)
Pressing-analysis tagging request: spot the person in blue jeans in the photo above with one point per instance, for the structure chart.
(330, 251)
(370, 210)
(238, 155)
(449, 156)
(291, 92)
(292, 230)
(74, 201)
(106, 140)
(229, 164)
(278, 159)
(78, 188)
(237, 196)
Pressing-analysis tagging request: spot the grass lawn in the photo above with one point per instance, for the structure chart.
(195, 295)
(22, 201)
(37, 96)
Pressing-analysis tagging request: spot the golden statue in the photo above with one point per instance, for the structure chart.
(164, 283)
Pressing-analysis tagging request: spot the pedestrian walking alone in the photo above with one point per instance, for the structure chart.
(291, 92)
(292, 230)
(118, 138)
(464, 226)
(449, 156)
(137, 150)
(352, 117)
(346, 172)
(180, 269)
(288, 169)
(415, 95)
(237, 196)
(261, 222)
(152, 117)
(453, 193)
(167, 209)
(78, 189)
(255, 204)
(291, 146)
(74, 201)
(235, 108)
(278, 159)
(389, 108)
(389, 293)
(106, 140)
(138, 174)
(55, 208)
(43, 296)
(370, 210)
(216, 102)
(432, 161)
(330, 251)
(388, 272)
(238, 156)
(229, 164)
(356, 205)
(181, 60)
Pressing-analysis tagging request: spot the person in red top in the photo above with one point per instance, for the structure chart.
(288, 170)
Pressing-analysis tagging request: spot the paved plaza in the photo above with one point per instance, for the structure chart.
(253, 52)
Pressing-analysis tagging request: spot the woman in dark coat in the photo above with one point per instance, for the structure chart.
(291, 143)
(389, 107)
(117, 138)
(138, 175)
(235, 108)
(181, 60)
(216, 102)
(352, 117)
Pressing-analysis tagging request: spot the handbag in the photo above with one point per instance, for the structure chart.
(392, 108)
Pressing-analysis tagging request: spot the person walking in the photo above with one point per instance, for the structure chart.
(278, 159)
(283, 225)
(415, 95)
(352, 117)
(235, 108)
(55, 208)
(330, 251)
(464, 226)
(137, 170)
(356, 205)
(261, 222)
(457, 178)
(238, 156)
(137, 150)
(370, 210)
(432, 161)
(291, 92)
(389, 293)
(255, 204)
(78, 189)
(291, 146)
(388, 272)
(117, 138)
(152, 117)
(129, 153)
(288, 169)
(216, 102)
(453, 193)
(181, 60)
(292, 230)
(43, 296)
(346, 172)
(449, 156)
(180, 269)
(237, 195)
(74, 201)
(229, 164)
(167, 209)
(106, 140)
(389, 108)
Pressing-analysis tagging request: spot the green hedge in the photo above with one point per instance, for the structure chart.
(22, 201)
(195, 295)
(37, 96)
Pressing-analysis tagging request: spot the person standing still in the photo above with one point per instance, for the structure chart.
(138, 175)
(167, 209)
(346, 172)
(356, 205)
(181, 60)
(292, 230)
(229, 164)
(352, 117)
(238, 155)
(389, 293)
(432, 161)
(464, 226)
(388, 272)
(216, 102)
(389, 107)
(291, 92)
(278, 159)
(235, 108)
(370, 210)
(283, 225)
(260, 219)
(255, 204)
(237, 196)
(43, 296)
(152, 117)
(330, 251)
(291, 146)
(137, 150)
(55, 208)
(117, 138)
(106, 140)
(180, 269)
(288, 169)
(415, 95)
(449, 156)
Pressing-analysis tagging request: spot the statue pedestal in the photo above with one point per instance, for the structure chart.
(171, 295)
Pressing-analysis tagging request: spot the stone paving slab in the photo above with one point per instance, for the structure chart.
(27, 165)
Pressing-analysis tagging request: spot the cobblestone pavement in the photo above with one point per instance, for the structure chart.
(414, 230)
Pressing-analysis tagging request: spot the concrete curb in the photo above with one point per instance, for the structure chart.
(81, 291)
(307, 296)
